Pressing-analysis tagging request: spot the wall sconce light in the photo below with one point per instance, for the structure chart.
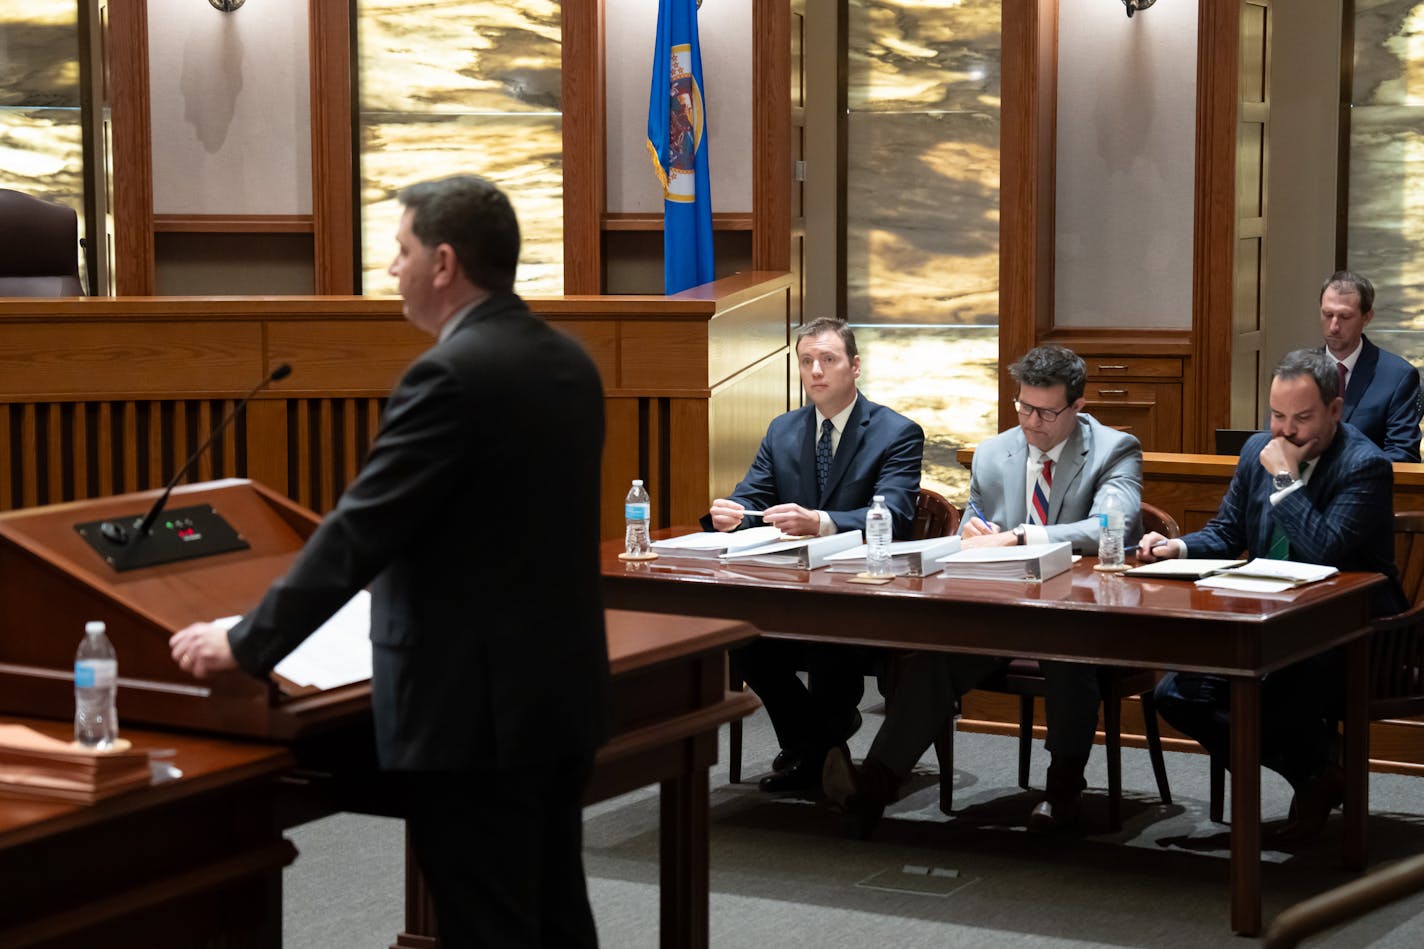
(227, 6)
(1134, 5)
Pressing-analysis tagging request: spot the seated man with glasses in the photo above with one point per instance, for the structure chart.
(1043, 481)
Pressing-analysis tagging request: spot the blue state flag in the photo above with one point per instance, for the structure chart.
(677, 141)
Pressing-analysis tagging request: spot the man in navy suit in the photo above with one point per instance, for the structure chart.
(488, 694)
(815, 473)
(1381, 390)
(1312, 489)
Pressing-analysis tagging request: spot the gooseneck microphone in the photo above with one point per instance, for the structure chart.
(116, 533)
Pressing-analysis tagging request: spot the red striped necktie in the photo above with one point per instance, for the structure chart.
(1039, 514)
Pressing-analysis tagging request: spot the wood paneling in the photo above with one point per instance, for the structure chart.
(132, 169)
(1214, 220)
(1027, 156)
(771, 136)
(333, 150)
(104, 395)
(585, 161)
(233, 223)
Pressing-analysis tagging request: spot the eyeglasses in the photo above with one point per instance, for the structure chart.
(1048, 415)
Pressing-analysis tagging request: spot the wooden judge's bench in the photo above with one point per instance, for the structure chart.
(205, 852)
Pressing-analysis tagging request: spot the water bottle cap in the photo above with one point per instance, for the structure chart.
(878, 499)
(93, 626)
(637, 482)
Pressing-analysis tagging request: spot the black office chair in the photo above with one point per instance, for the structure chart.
(39, 248)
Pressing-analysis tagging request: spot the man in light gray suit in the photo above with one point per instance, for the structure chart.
(1044, 481)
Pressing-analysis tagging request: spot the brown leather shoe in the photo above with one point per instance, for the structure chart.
(1312, 804)
(1051, 815)
(845, 787)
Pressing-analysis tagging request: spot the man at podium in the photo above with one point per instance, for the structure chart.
(488, 693)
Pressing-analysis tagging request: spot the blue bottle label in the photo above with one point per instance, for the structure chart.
(637, 512)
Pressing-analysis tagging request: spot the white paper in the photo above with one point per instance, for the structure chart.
(1183, 568)
(717, 541)
(1292, 570)
(1225, 581)
(1021, 554)
(338, 653)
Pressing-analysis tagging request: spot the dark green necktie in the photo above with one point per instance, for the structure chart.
(1279, 548)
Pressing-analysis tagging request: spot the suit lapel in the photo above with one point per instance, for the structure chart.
(807, 469)
(1015, 475)
(1070, 463)
(1360, 378)
(845, 451)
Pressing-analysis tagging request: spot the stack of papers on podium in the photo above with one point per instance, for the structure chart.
(33, 764)
(915, 558)
(1029, 562)
(337, 654)
(806, 553)
(712, 544)
(1267, 576)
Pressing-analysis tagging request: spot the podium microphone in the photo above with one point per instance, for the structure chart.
(116, 533)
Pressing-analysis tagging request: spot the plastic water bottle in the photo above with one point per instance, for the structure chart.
(96, 674)
(637, 514)
(877, 539)
(1111, 521)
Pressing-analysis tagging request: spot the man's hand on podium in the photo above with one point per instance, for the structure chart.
(202, 649)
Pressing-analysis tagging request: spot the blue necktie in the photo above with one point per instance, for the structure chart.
(823, 456)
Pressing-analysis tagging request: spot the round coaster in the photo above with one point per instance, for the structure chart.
(638, 557)
(1105, 569)
(120, 744)
(869, 578)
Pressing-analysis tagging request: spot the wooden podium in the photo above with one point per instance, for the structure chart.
(52, 581)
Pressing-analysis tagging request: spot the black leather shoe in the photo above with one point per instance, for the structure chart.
(845, 786)
(786, 758)
(804, 773)
(1311, 806)
(1052, 815)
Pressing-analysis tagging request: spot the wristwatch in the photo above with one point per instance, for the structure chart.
(1282, 480)
(1019, 533)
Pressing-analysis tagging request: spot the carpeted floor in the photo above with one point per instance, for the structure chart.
(783, 874)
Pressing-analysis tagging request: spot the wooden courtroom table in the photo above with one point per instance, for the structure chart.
(203, 854)
(199, 857)
(1081, 615)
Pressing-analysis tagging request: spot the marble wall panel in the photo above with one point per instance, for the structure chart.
(1386, 226)
(39, 42)
(523, 154)
(41, 148)
(1389, 52)
(923, 218)
(463, 56)
(462, 87)
(924, 55)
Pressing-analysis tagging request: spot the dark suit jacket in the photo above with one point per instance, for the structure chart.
(1383, 401)
(475, 521)
(879, 453)
(1342, 517)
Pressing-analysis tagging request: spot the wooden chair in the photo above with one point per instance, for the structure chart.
(1396, 676)
(1344, 903)
(1024, 678)
(934, 517)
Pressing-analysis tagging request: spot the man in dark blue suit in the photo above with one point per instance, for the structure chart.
(1313, 489)
(815, 473)
(1382, 394)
